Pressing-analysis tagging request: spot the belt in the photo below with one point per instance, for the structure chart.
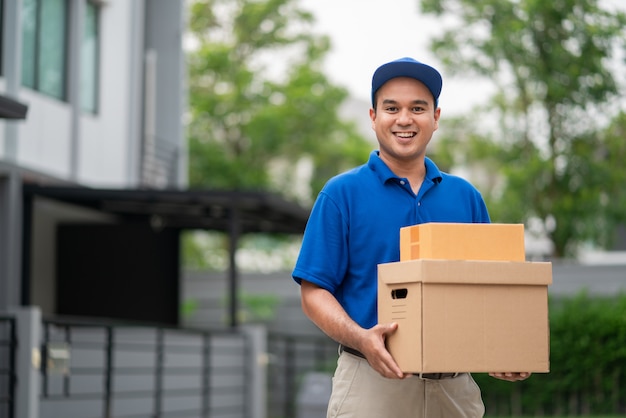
(433, 376)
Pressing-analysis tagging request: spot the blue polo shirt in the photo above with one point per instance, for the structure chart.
(355, 225)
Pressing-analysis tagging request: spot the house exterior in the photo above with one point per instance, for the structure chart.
(104, 86)
(92, 96)
(93, 199)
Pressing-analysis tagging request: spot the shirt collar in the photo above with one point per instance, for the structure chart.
(383, 172)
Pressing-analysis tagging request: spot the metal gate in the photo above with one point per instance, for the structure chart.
(104, 370)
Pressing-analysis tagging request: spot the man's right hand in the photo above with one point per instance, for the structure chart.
(373, 348)
(326, 312)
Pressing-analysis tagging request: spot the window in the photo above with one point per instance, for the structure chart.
(29, 19)
(89, 60)
(44, 50)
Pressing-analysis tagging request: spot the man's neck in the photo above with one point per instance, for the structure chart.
(414, 171)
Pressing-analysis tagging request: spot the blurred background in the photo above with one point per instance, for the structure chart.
(158, 161)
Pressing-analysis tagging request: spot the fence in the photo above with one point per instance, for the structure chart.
(104, 370)
(8, 374)
(112, 370)
(290, 358)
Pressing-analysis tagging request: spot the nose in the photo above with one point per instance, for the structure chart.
(404, 117)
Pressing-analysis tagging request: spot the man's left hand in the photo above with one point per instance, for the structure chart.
(511, 377)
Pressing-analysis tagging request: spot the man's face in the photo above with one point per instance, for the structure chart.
(404, 120)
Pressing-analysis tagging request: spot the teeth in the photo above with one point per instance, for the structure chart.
(404, 134)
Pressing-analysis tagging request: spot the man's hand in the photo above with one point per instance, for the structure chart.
(372, 345)
(326, 312)
(511, 377)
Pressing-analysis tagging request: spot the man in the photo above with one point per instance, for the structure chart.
(355, 225)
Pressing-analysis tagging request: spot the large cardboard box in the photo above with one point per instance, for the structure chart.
(466, 316)
(459, 241)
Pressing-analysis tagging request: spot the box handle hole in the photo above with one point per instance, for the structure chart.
(399, 293)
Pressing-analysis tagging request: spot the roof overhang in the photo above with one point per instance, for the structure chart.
(11, 108)
(256, 212)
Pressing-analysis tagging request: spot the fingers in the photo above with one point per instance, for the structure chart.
(511, 376)
(377, 354)
(386, 329)
(381, 361)
(388, 367)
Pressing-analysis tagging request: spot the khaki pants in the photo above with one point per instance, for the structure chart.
(360, 392)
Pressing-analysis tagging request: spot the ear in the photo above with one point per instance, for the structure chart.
(437, 116)
(373, 118)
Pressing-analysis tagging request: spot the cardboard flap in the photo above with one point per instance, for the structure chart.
(466, 271)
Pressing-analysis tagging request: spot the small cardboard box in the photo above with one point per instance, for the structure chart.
(459, 241)
(466, 316)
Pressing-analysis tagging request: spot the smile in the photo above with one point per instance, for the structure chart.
(405, 134)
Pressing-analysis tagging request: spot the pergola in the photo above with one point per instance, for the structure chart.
(233, 212)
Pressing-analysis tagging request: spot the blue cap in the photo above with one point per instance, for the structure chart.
(408, 67)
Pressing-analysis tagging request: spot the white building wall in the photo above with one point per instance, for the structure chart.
(105, 149)
(43, 142)
(104, 138)
(45, 138)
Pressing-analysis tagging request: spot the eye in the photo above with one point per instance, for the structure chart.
(418, 109)
(391, 109)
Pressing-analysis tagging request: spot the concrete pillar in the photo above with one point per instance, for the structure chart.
(10, 238)
(257, 396)
(28, 361)
(77, 12)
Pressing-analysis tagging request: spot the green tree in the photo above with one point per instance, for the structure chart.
(550, 62)
(262, 115)
(250, 128)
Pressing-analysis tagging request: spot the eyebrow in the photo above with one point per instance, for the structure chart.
(414, 102)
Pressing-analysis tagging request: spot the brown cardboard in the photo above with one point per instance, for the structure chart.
(463, 241)
(466, 316)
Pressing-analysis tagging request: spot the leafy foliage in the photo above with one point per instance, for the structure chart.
(245, 121)
(550, 62)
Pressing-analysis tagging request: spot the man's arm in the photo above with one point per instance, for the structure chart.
(326, 312)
